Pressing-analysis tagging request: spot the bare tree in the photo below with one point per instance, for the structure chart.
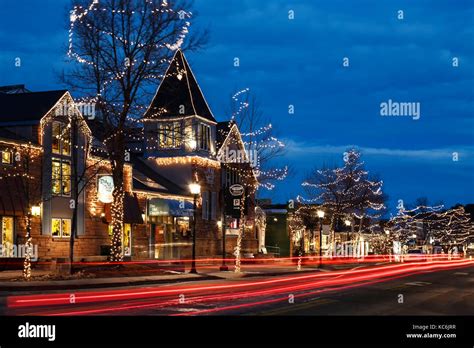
(259, 138)
(119, 51)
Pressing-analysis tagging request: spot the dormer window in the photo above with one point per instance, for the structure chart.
(7, 157)
(204, 137)
(61, 141)
(170, 135)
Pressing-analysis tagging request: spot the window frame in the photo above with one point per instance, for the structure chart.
(169, 135)
(13, 235)
(61, 141)
(61, 162)
(10, 162)
(61, 225)
(204, 142)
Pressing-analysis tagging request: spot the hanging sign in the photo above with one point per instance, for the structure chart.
(236, 190)
(105, 188)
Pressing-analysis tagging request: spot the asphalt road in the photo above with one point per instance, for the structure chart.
(350, 292)
(439, 293)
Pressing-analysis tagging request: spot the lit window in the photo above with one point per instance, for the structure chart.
(6, 157)
(61, 228)
(127, 239)
(7, 235)
(61, 177)
(204, 137)
(61, 141)
(170, 135)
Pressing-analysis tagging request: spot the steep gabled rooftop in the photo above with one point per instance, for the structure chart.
(30, 107)
(179, 87)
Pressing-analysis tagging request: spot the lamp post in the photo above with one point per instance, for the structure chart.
(195, 189)
(321, 217)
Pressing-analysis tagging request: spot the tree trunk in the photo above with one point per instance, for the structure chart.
(238, 248)
(118, 165)
(116, 252)
(75, 192)
(28, 249)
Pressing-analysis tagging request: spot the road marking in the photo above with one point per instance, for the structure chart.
(418, 283)
(293, 307)
(461, 273)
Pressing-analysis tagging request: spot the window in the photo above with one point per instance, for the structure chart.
(127, 239)
(213, 205)
(61, 141)
(7, 235)
(61, 177)
(169, 135)
(7, 157)
(61, 228)
(231, 177)
(204, 137)
(209, 205)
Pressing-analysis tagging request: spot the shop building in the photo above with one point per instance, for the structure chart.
(181, 145)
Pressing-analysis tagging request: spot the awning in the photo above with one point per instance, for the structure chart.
(169, 207)
(131, 210)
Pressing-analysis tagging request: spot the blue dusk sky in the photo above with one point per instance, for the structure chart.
(300, 62)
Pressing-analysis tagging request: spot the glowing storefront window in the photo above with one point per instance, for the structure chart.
(7, 235)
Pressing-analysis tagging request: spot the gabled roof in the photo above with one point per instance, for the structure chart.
(222, 131)
(178, 87)
(27, 108)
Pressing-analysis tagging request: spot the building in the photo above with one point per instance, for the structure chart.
(182, 144)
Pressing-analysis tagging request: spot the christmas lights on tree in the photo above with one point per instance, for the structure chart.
(346, 191)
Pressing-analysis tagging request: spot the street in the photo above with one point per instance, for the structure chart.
(419, 288)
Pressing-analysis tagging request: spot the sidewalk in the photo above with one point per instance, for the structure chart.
(7, 282)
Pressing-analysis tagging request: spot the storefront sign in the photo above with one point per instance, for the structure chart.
(169, 207)
(233, 200)
(236, 190)
(105, 188)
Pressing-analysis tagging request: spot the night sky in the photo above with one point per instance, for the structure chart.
(299, 62)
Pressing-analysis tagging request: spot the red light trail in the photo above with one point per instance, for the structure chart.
(253, 291)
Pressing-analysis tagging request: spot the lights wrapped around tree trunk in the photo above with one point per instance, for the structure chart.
(28, 250)
(238, 247)
(300, 258)
(116, 251)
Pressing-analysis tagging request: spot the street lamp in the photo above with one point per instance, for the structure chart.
(321, 217)
(347, 223)
(195, 190)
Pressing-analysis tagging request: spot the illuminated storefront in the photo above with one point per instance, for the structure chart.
(169, 224)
